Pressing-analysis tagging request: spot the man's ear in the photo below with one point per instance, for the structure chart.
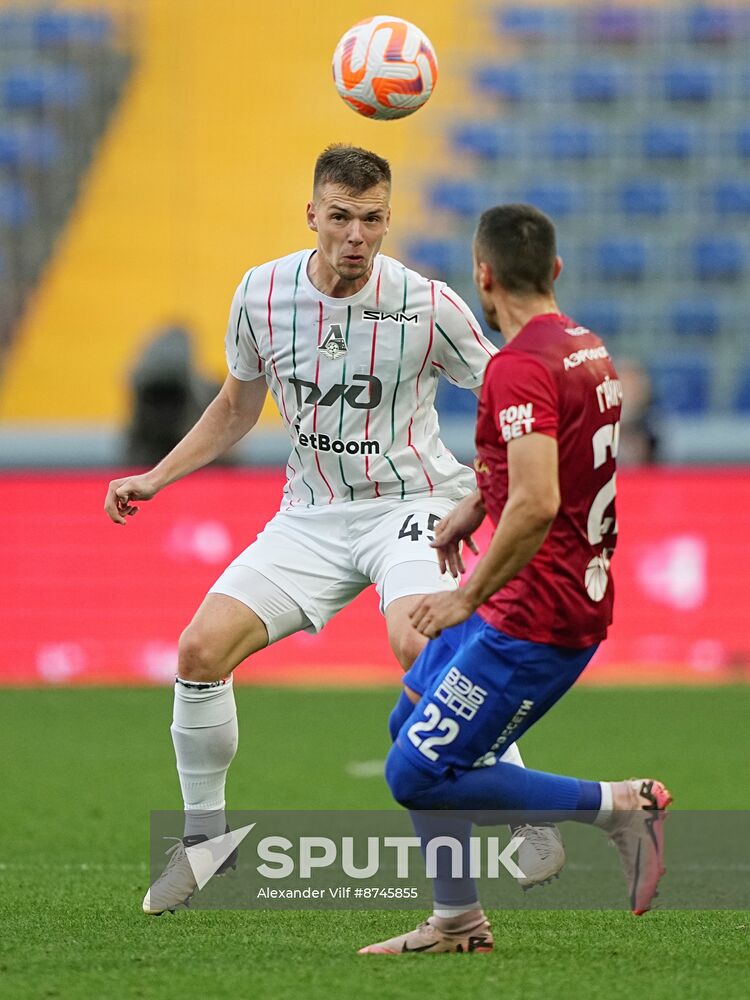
(484, 276)
(558, 268)
(311, 223)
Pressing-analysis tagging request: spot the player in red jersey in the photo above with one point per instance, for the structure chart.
(517, 634)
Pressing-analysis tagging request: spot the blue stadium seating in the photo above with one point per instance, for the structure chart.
(600, 84)
(15, 205)
(696, 318)
(536, 23)
(681, 385)
(506, 83)
(439, 257)
(691, 82)
(29, 146)
(743, 141)
(718, 258)
(668, 141)
(454, 401)
(574, 140)
(621, 259)
(557, 198)
(40, 87)
(741, 396)
(707, 23)
(613, 24)
(603, 316)
(486, 140)
(644, 197)
(72, 28)
(570, 141)
(464, 198)
(732, 197)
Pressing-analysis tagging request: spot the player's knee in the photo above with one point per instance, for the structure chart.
(409, 786)
(197, 660)
(407, 644)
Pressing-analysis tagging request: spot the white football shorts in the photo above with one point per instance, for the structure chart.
(307, 564)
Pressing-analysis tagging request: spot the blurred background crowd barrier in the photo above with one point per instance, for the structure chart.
(152, 150)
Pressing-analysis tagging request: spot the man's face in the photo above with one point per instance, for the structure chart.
(483, 284)
(350, 226)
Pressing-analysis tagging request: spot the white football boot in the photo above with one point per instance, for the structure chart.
(541, 856)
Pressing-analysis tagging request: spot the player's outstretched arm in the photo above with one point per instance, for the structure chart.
(226, 420)
(457, 528)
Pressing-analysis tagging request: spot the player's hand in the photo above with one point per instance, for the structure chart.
(455, 530)
(122, 493)
(436, 612)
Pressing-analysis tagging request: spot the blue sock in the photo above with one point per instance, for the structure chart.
(501, 786)
(449, 892)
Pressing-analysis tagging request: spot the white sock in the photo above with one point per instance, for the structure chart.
(449, 912)
(513, 756)
(204, 733)
(605, 809)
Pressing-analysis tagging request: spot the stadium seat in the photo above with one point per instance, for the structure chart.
(693, 83)
(569, 141)
(699, 317)
(29, 146)
(450, 399)
(743, 141)
(505, 83)
(15, 205)
(43, 87)
(462, 197)
(613, 24)
(741, 395)
(718, 258)
(439, 256)
(486, 140)
(715, 24)
(681, 385)
(603, 316)
(599, 84)
(555, 198)
(621, 259)
(71, 28)
(732, 197)
(536, 24)
(644, 197)
(663, 141)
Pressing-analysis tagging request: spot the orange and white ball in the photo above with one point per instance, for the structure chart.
(385, 67)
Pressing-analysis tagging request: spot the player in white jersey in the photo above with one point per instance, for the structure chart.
(351, 344)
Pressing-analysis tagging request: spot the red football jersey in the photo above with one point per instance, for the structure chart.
(556, 378)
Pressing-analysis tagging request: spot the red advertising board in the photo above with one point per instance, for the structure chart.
(85, 601)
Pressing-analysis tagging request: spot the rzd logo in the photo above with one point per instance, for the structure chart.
(350, 393)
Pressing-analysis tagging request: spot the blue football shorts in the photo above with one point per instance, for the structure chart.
(480, 691)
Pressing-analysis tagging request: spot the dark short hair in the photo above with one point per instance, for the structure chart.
(518, 242)
(354, 168)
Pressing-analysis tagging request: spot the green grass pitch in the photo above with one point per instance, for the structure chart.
(84, 767)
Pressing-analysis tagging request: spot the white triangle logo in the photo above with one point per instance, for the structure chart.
(205, 858)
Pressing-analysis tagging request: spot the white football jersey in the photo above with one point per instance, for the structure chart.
(355, 378)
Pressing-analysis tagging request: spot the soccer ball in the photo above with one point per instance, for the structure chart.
(384, 67)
